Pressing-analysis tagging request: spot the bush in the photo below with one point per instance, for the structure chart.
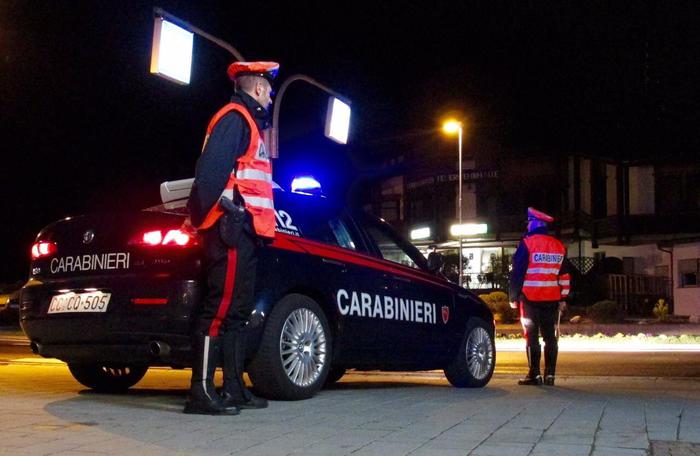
(498, 303)
(661, 310)
(605, 312)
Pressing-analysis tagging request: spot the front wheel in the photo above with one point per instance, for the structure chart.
(294, 356)
(474, 364)
(107, 378)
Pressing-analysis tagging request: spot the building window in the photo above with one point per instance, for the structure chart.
(688, 271)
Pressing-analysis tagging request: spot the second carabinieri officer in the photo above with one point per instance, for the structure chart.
(539, 285)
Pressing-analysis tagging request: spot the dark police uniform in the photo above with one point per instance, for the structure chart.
(219, 332)
(539, 282)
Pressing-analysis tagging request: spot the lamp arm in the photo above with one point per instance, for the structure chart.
(274, 136)
(160, 12)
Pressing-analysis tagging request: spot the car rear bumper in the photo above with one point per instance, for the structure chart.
(168, 351)
(126, 333)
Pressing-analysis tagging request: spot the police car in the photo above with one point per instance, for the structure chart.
(112, 295)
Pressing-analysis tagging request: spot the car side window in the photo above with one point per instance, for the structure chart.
(341, 234)
(389, 248)
(331, 232)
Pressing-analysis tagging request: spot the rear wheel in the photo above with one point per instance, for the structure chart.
(473, 366)
(294, 356)
(107, 378)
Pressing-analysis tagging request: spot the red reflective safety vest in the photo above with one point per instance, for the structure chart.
(542, 281)
(252, 177)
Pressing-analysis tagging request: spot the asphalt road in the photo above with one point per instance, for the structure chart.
(599, 364)
(605, 403)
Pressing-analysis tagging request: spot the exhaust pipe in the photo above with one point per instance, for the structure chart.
(36, 348)
(159, 349)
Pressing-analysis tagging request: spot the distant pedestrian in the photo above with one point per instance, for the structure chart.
(539, 286)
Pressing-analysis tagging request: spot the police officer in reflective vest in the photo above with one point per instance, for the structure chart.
(232, 209)
(539, 285)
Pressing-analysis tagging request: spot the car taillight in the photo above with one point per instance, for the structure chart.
(43, 249)
(165, 237)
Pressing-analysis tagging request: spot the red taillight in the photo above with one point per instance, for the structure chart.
(43, 249)
(153, 238)
(176, 237)
(169, 237)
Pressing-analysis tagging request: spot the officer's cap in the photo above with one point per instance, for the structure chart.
(267, 70)
(534, 214)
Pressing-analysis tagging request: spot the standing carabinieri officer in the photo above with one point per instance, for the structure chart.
(539, 285)
(233, 171)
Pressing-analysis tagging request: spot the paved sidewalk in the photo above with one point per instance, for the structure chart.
(382, 415)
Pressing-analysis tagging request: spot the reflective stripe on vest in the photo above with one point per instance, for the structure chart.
(544, 263)
(565, 284)
(252, 178)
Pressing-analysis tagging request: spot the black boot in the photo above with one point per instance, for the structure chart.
(533, 361)
(550, 363)
(235, 392)
(203, 399)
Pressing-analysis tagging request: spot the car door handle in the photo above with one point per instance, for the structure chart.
(402, 279)
(334, 262)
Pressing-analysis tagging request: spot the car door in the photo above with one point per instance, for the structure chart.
(417, 334)
(337, 267)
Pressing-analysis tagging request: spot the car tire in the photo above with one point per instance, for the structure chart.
(107, 378)
(334, 374)
(294, 356)
(475, 361)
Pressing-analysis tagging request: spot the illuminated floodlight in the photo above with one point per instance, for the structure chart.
(306, 184)
(338, 120)
(467, 229)
(420, 233)
(171, 55)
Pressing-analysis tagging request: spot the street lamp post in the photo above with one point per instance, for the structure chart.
(452, 126)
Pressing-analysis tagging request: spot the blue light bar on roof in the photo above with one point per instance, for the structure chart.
(306, 184)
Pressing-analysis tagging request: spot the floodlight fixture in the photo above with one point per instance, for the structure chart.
(171, 54)
(338, 120)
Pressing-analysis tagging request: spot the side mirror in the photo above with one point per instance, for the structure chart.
(435, 262)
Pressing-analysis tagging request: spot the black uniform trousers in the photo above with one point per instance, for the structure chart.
(230, 275)
(539, 317)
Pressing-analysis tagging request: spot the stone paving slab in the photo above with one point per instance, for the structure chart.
(46, 413)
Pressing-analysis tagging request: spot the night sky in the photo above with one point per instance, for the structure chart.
(84, 127)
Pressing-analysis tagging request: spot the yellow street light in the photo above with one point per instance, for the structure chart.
(450, 127)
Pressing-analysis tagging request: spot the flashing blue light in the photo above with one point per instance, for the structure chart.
(307, 185)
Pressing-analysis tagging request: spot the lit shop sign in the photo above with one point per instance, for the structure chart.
(420, 233)
(469, 229)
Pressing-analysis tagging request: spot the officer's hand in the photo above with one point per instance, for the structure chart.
(514, 304)
(188, 228)
(562, 306)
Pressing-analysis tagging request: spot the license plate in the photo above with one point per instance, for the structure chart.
(94, 301)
